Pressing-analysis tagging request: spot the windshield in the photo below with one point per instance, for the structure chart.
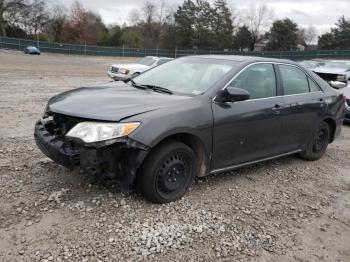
(338, 64)
(147, 61)
(191, 76)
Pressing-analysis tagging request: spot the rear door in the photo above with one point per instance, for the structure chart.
(248, 130)
(304, 105)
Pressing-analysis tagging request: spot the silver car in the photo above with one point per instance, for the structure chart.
(346, 92)
(337, 74)
(335, 71)
(312, 64)
(123, 72)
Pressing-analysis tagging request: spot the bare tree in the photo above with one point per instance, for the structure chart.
(310, 35)
(55, 25)
(11, 13)
(2, 23)
(149, 12)
(258, 19)
(28, 16)
(134, 17)
(36, 17)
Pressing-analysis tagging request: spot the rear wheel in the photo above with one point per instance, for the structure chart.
(167, 173)
(318, 144)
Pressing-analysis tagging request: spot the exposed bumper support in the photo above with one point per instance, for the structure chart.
(118, 159)
(347, 111)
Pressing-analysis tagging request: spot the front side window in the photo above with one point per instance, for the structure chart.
(294, 80)
(259, 80)
(189, 75)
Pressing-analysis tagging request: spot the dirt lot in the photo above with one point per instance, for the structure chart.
(283, 210)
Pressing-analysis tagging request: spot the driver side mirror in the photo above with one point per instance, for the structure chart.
(232, 94)
(337, 84)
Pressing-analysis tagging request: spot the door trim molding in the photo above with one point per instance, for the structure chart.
(224, 169)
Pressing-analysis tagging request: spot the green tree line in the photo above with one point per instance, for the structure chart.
(193, 24)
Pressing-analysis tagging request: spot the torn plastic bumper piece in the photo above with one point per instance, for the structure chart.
(118, 159)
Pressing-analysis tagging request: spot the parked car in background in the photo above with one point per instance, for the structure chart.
(311, 64)
(346, 92)
(335, 72)
(190, 117)
(32, 50)
(126, 71)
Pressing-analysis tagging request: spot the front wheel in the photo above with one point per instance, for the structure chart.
(167, 173)
(318, 144)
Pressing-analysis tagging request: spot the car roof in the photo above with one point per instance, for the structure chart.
(248, 59)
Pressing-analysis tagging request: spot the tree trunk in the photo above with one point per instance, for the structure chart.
(2, 23)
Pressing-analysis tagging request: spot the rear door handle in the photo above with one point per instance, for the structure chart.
(277, 109)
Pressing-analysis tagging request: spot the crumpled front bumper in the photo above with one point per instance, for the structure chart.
(118, 159)
(55, 148)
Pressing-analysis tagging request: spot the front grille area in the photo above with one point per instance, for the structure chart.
(59, 125)
(114, 69)
(329, 77)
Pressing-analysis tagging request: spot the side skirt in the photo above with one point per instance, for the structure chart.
(224, 169)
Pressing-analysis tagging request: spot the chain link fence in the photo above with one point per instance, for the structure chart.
(75, 49)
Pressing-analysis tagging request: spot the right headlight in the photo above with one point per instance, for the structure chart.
(341, 78)
(91, 132)
(124, 71)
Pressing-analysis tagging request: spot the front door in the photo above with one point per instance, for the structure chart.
(248, 130)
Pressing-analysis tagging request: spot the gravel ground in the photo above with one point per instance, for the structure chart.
(282, 210)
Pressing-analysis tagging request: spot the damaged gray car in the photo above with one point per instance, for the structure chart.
(191, 117)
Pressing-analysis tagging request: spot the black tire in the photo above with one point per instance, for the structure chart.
(318, 144)
(167, 173)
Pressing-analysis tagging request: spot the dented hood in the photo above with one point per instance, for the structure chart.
(330, 70)
(112, 102)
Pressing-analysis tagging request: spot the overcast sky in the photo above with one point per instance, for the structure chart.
(320, 13)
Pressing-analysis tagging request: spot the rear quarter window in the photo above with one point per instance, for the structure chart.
(313, 86)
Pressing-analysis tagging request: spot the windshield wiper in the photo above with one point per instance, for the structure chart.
(159, 89)
(133, 83)
(152, 87)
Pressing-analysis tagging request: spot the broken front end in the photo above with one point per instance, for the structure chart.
(63, 139)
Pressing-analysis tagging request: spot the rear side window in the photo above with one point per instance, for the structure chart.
(294, 80)
(313, 86)
(259, 80)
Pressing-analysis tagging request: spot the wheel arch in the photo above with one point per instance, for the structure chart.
(332, 125)
(195, 143)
